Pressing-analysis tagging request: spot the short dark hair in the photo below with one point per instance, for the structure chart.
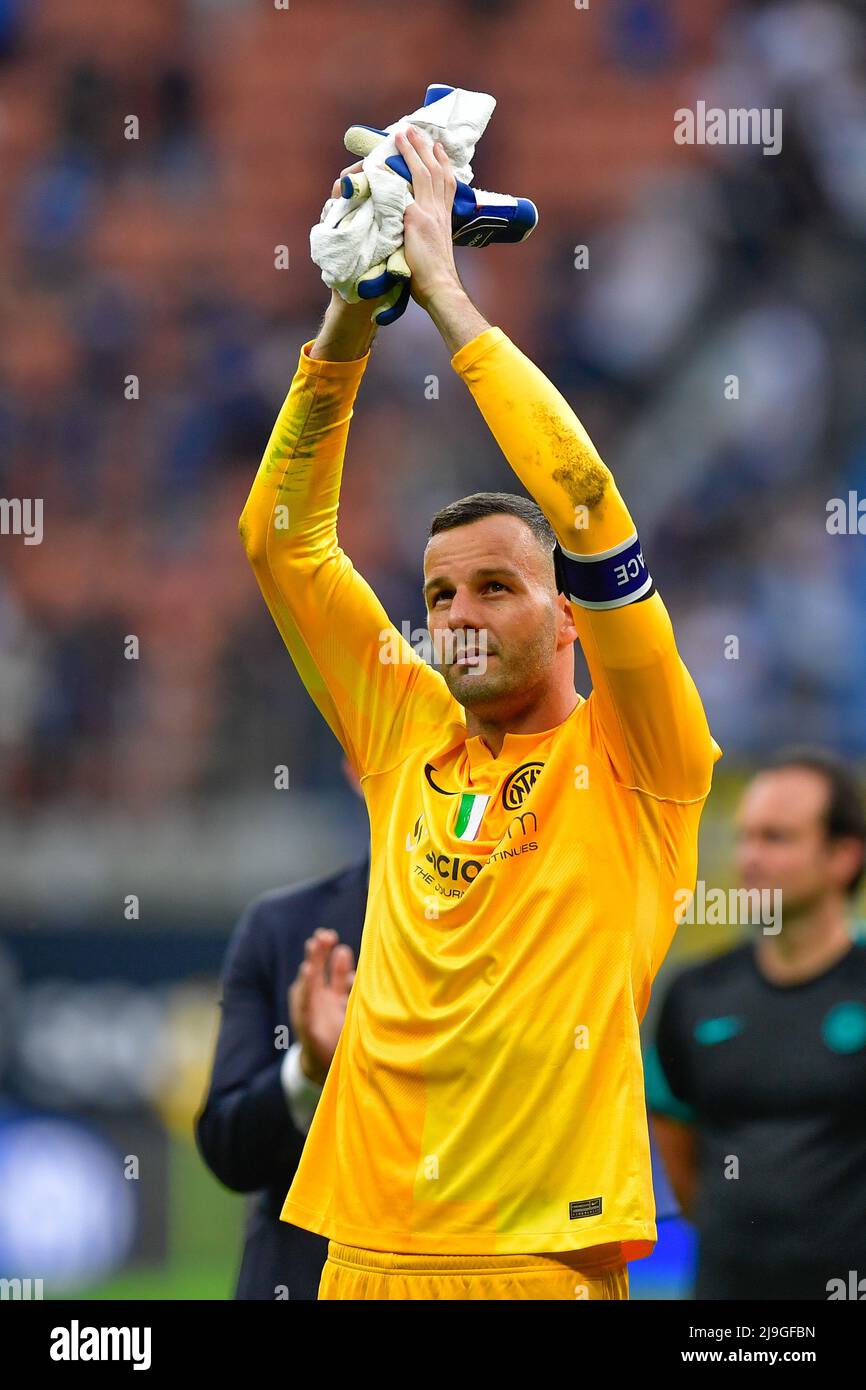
(481, 504)
(845, 817)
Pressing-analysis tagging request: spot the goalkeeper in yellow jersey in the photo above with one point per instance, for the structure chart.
(482, 1131)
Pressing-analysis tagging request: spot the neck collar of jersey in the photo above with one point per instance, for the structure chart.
(516, 748)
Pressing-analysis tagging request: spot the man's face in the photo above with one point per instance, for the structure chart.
(782, 841)
(489, 589)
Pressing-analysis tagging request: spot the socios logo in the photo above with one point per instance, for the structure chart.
(717, 1030)
(448, 866)
(844, 1027)
(519, 784)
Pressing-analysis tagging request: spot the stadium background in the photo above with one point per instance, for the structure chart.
(154, 256)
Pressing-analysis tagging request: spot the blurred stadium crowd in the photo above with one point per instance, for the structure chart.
(153, 257)
(147, 342)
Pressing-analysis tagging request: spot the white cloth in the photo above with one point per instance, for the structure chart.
(354, 234)
(302, 1094)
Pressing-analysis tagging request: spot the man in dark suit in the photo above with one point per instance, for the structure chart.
(263, 1093)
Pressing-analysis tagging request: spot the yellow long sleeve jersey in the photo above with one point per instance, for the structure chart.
(486, 1096)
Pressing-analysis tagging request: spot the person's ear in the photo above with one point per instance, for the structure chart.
(847, 854)
(566, 627)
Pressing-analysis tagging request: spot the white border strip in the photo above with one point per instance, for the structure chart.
(601, 554)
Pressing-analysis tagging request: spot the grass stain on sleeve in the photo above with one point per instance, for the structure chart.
(579, 470)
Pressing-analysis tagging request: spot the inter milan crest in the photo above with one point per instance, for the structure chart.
(519, 784)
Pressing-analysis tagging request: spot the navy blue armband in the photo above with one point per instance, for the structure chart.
(610, 579)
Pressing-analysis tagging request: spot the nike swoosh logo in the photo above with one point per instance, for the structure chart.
(428, 773)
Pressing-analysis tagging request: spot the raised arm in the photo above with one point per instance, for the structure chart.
(645, 706)
(378, 696)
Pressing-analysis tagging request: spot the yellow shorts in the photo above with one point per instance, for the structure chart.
(368, 1274)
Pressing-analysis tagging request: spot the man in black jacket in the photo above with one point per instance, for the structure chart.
(262, 1093)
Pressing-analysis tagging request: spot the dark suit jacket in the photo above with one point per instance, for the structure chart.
(245, 1132)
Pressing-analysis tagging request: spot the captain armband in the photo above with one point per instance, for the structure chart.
(610, 579)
